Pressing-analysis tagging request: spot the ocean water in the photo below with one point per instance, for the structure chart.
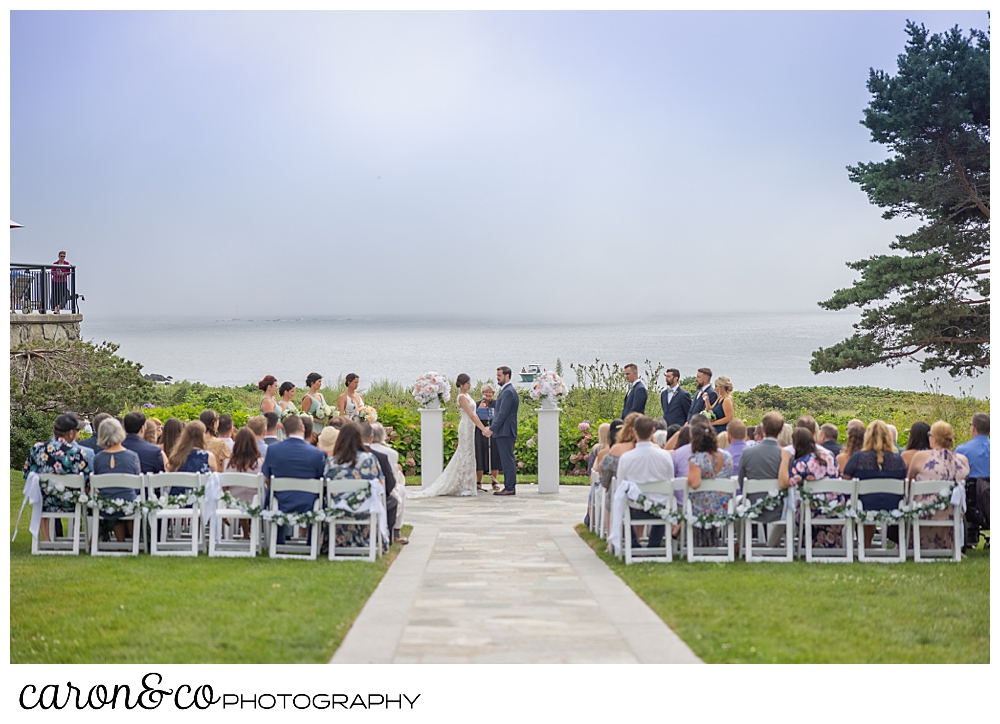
(748, 348)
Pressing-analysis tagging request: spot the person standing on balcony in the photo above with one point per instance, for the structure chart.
(60, 283)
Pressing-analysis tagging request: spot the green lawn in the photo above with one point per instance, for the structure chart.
(78, 609)
(819, 613)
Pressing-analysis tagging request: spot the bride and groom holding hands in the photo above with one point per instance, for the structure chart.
(459, 477)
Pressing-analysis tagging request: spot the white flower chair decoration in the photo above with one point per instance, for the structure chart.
(67, 545)
(956, 508)
(823, 487)
(664, 488)
(301, 551)
(117, 480)
(222, 543)
(882, 554)
(765, 553)
(340, 553)
(712, 554)
(175, 531)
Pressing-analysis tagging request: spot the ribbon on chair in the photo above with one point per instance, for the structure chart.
(213, 494)
(32, 493)
(791, 501)
(627, 491)
(372, 505)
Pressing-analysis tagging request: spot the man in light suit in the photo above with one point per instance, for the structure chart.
(635, 400)
(293, 458)
(504, 429)
(704, 379)
(675, 401)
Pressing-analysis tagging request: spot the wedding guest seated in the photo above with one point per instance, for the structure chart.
(607, 461)
(387, 460)
(60, 455)
(660, 439)
(172, 430)
(855, 422)
(258, 426)
(309, 432)
(938, 463)
(328, 439)
(339, 422)
(737, 430)
(115, 458)
(91, 442)
(246, 458)
(877, 459)
(225, 430)
(722, 439)
(151, 458)
(221, 451)
(810, 461)
(271, 429)
(829, 434)
(763, 462)
(977, 452)
(603, 443)
(894, 435)
(919, 440)
(659, 424)
(785, 436)
(350, 460)
(808, 423)
(751, 434)
(645, 463)
(707, 462)
(189, 454)
(151, 430)
(673, 429)
(855, 441)
(379, 444)
(294, 458)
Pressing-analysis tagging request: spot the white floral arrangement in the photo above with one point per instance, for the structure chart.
(289, 412)
(430, 386)
(367, 413)
(548, 384)
(325, 412)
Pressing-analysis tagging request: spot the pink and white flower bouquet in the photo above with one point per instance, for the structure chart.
(548, 384)
(431, 386)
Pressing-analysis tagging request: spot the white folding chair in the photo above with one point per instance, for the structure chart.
(174, 531)
(65, 545)
(844, 554)
(595, 484)
(632, 555)
(228, 546)
(711, 554)
(341, 553)
(679, 485)
(291, 550)
(609, 500)
(882, 554)
(954, 521)
(765, 553)
(117, 480)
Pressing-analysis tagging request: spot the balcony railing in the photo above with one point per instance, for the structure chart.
(43, 288)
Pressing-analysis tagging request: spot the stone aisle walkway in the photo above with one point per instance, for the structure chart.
(505, 580)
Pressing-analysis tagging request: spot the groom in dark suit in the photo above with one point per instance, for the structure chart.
(674, 401)
(504, 429)
(635, 400)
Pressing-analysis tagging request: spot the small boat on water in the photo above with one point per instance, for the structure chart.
(530, 372)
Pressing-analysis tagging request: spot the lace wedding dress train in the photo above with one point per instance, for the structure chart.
(459, 477)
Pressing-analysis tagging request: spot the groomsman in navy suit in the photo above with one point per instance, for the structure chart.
(635, 400)
(675, 401)
(504, 427)
(704, 380)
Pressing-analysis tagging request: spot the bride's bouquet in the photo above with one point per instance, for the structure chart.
(367, 413)
(431, 386)
(548, 384)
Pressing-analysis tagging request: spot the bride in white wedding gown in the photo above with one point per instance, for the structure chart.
(459, 477)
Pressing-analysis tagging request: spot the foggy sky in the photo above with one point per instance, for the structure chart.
(582, 164)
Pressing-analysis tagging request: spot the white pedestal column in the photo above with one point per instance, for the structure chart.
(431, 445)
(548, 450)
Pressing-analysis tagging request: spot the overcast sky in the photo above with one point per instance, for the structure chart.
(573, 163)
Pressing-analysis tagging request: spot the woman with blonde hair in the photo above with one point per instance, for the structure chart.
(189, 454)
(938, 463)
(607, 460)
(603, 443)
(785, 436)
(876, 459)
(723, 407)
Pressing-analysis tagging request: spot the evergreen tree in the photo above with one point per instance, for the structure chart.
(932, 298)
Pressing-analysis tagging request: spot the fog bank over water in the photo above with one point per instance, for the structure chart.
(750, 349)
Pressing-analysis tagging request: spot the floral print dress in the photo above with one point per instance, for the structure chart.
(365, 467)
(941, 465)
(710, 502)
(811, 467)
(59, 457)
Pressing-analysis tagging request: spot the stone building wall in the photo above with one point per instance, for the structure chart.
(27, 328)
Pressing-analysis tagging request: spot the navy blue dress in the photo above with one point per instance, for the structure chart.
(719, 414)
(126, 462)
(863, 465)
(197, 462)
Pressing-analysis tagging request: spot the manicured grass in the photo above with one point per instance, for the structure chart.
(78, 609)
(526, 479)
(819, 613)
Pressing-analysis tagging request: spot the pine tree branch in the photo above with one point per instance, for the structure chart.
(963, 180)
